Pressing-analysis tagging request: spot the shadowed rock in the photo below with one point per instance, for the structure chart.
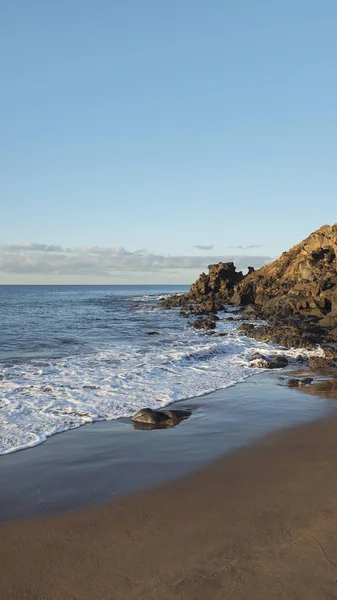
(160, 418)
(320, 363)
(209, 292)
(206, 323)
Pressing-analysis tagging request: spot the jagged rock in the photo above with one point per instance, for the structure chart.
(291, 334)
(302, 281)
(246, 328)
(175, 301)
(329, 321)
(220, 280)
(301, 284)
(206, 323)
(209, 292)
(320, 363)
(244, 294)
(202, 308)
(251, 312)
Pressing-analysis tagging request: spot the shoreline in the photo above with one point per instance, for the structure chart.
(257, 523)
(106, 461)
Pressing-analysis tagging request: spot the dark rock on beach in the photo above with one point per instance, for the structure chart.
(154, 418)
(263, 362)
(320, 363)
(204, 323)
(289, 333)
(246, 328)
(299, 382)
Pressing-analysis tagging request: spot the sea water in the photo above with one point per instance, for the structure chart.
(71, 355)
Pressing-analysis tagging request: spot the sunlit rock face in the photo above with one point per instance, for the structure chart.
(302, 281)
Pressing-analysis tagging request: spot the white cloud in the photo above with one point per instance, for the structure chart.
(246, 247)
(32, 247)
(204, 247)
(92, 261)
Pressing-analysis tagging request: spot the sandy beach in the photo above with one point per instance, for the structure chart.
(109, 460)
(168, 301)
(260, 522)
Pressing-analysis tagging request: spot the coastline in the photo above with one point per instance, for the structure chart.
(257, 523)
(109, 460)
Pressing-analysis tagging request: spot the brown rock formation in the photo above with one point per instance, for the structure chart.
(302, 281)
(220, 282)
(297, 294)
(209, 292)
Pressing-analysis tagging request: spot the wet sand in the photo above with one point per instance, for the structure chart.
(260, 523)
(97, 463)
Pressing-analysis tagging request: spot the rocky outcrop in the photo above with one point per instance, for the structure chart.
(302, 281)
(295, 332)
(264, 362)
(218, 284)
(296, 294)
(209, 293)
(205, 323)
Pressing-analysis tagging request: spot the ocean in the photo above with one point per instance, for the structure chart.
(71, 355)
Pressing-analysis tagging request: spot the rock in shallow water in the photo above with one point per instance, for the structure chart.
(263, 362)
(206, 323)
(299, 382)
(156, 417)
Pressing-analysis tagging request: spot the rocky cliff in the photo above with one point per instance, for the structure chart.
(302, 281)
(297, 292)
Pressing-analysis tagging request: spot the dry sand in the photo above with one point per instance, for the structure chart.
(258, 524)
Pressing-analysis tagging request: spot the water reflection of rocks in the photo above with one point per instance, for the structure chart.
(324, 388)
(147, 426)
(321, 382)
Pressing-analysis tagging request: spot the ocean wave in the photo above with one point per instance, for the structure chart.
(43, 397)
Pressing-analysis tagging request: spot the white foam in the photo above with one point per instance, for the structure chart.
(41, 398)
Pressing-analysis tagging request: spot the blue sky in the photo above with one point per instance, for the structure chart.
(157, 126)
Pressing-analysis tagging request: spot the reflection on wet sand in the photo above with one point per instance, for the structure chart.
(324, 388)
(165, 425)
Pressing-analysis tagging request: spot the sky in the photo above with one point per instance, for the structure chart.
(141, 141)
